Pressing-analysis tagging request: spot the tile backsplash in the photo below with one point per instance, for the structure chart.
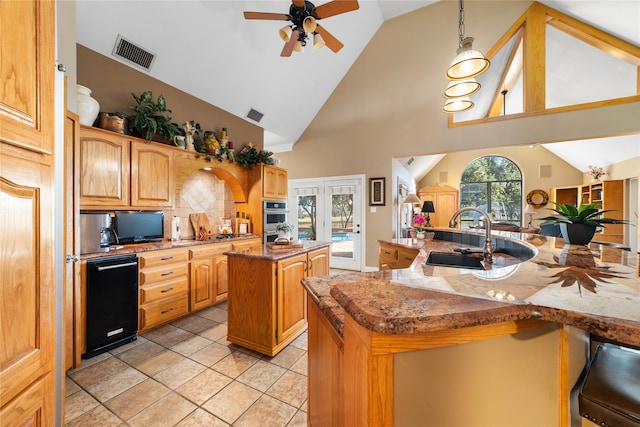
(201, 192)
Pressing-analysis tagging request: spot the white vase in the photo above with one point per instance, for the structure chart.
(283, 234)
(88, 107)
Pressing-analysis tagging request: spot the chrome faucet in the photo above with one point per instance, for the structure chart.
(487, 252)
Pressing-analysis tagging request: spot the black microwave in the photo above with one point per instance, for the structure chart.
(273, 213)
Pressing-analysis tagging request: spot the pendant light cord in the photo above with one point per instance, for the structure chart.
(461, 22)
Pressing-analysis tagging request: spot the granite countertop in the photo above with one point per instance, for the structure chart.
(594, 288)
(163, 244)
(264, 252)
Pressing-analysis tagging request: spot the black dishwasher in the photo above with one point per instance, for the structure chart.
(112, 303)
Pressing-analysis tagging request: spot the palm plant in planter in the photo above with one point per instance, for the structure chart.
(150, 119)
(579, 224)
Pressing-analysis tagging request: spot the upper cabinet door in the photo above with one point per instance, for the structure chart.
(104, 169)
(27, 304)
(152, 182)
(27, 74)
(274, 183)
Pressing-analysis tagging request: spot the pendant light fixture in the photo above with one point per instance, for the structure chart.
(467, 64)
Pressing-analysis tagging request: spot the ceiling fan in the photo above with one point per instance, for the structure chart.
(304, 17)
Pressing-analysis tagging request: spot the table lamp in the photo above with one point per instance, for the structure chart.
(428, 208)
(529, 210)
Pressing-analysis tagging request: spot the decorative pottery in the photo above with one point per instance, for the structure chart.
(577, 234)
(88, 107)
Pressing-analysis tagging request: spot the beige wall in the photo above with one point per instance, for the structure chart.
(388, 106)
(112, 84)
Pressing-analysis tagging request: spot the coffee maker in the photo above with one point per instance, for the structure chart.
(95, 232)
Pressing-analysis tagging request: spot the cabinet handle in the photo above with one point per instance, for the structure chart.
(166, 311)
(167, 274)
(166, 258)
(167, 290)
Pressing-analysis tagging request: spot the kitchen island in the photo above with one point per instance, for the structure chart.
(267, 306)
(431, 345)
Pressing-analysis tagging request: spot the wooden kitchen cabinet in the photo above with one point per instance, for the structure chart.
(104, 168)
(445, 203)
(163, 285)
(246, 245)
(393, 257)
(27, 199)
(118, 171)
(267, 305)
(274, 183)
(152, 182)
(209, 281)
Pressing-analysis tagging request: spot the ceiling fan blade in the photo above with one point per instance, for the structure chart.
(336, 7)
(300, 4)
(331, 42)
(288, 46)
(266, 15)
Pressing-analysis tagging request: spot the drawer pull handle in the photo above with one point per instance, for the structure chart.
(166, 311)
(166, 290)
(166, 258)
(169, 273)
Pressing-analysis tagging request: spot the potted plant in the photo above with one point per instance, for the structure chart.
(579, 224)
(150, 119)
(284, 230)
(250, 155)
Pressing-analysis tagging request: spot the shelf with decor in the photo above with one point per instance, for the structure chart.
(609, 195)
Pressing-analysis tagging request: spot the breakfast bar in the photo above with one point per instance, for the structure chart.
(442, 345)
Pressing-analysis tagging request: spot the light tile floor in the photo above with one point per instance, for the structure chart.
(187, 374)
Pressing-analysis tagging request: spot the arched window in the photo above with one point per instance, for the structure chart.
(493, 181)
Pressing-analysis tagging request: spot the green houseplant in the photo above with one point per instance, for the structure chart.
(150, 119)
(579, 224)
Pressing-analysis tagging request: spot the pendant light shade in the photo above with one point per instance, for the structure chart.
(285, 33)
(318, 42)
(459, 88)
(457, 105)
(309, 24)
(468, 62)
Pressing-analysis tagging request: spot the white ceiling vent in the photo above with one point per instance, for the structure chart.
(254, 115)
(132, 53)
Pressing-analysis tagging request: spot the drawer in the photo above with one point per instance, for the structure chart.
(163, 311)
(238, 246)
(162, 274)
(406, 256)
(388, 253)
(209, 251)
(161, 290)
(155, 258)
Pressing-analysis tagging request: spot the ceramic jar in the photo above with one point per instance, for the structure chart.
(88, 107)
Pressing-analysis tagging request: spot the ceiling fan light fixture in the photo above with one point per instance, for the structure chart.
(285, 33)
(298, 47)
(318, 42)
(457, 105)
(468, 62)
(458, 88)
(309, 24)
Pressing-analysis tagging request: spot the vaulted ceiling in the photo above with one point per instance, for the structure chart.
(207, 48)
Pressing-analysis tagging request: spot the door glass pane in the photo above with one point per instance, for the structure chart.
(307, 217)
(342, 225)
(505, 201)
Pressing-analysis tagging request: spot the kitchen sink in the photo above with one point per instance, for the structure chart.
(460, 260)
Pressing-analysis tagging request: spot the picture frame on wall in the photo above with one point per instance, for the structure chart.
(376, 191)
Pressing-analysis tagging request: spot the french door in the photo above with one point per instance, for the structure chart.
(331, 209)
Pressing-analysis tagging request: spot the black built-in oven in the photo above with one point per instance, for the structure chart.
(273, 212)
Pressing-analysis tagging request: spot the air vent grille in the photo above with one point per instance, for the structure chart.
(411, 160)
(133, 53)
(254, 115)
